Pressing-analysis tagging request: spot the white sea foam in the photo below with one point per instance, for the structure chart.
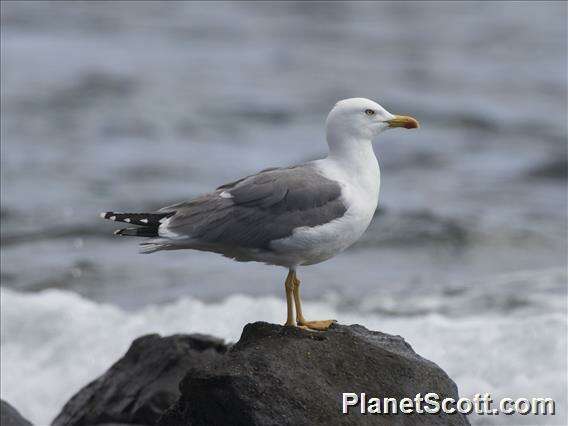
(54, 342)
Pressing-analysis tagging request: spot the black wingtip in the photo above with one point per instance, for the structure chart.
(147, 232)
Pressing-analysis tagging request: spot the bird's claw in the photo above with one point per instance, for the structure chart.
(321, 325)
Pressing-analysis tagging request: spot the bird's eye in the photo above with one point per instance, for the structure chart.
(369, 112)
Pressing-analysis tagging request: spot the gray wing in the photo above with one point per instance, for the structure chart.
(258, 209)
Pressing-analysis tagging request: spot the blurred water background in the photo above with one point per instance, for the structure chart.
(131, 106)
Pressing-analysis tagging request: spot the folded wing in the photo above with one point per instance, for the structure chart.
(258, 209)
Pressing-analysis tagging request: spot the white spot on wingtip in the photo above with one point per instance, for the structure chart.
(225, 194)
(103, 215)
(144, 220)
(112, 218)
(127, 220)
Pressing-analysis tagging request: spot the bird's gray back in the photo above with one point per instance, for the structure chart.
(253, 211)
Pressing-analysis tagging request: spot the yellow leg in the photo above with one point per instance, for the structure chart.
(289, 285)
(312, 325)
(299, 315)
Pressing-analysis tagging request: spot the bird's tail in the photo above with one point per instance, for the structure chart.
(148, 222)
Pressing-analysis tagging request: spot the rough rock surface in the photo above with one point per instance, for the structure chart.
(142, 384)
(280, 375)
(9, 416)
(274, 375)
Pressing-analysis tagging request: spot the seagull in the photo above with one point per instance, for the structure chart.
(290, 217)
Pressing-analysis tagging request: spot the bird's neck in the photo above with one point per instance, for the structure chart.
(357, 164)
(352, 154)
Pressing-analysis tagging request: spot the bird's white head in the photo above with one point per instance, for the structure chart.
(362, 119)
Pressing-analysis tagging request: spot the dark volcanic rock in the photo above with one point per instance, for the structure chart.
(143, 383)
(273, 375)
(286, 376)
(9, 416)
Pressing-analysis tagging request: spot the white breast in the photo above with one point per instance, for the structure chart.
(360, 193)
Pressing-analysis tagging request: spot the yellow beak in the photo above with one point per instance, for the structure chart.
(404, 121)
